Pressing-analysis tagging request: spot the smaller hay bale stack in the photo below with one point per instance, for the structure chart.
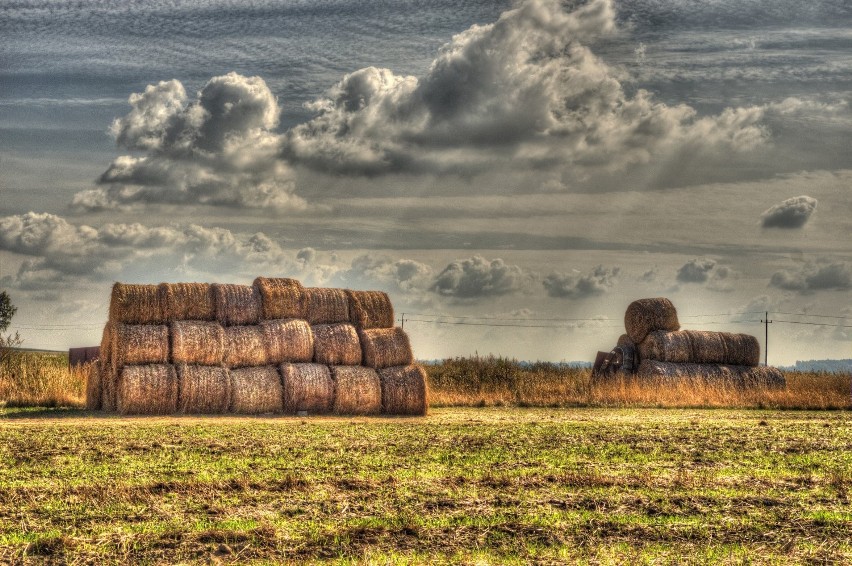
(203, 389)
(197, 342)
(288, 340)
(326, 306)
(357, 390)
(136, 304)
(187, 301)
(150, 389)
(237, 305)
(404, 390)
(742, 349)
(370, 309)
(385, 347)
(93, 386)
(256, 390)
(281, 297)
(646, 315)
(139, 344)
(336, 344)
(307, 387)
(245, 346)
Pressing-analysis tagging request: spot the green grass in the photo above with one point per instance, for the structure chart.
(492, 485)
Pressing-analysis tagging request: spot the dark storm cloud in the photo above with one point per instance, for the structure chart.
(815, 276)
(478, 277)
(791, 213)
(566, 286)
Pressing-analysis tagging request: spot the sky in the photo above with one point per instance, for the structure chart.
(513, 174)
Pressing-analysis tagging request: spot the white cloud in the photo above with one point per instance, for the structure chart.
(477, 277)
(567, 286)
(791, 213)
(815, 276)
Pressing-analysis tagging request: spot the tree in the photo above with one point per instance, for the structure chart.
(7, 311)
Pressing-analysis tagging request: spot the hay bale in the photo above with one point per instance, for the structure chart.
(139, 344)
(385, 347)
(646, 315)
(404, 390)
(281, 298)
(357, 390)
(370, 309)
(93, 386)
(741, 349)
(256, 390)
(336, 344)
(237, 305)
(108, 375)
(307, 387)
(136, 304)
(187, 301)
(708, 347)
(288, 341)
(197, 342)
(150, 389)
(727, 374)
(244, 346)
(766, 377)
(326, 306)
(625, 340)
(203, 389)
(665, 346)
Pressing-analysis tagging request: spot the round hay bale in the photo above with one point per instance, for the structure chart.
(404, 390)
(136, 304)
(385, 347)
(625, 340)
(150, 389)
(204, 389)
(237, 305)
(288, 341)
(108, 375)
(326, 306)
(370, 309)
(307, 387)
(336, 344)
(93, 386)
(198, 342)
(281, 298)
(707, 347)
(138, 344)
(244, 346)
(741, 349)
(655, 369)
(187, 301)
(256, 390)
(666, 346)
(646, 315)
(357, 390)
(763, 377)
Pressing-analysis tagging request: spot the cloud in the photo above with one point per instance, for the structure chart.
(478, 277)
(219, 149)
(392, 275)
(597, 282)
(696, 271)
(815, 276)
(791, 213)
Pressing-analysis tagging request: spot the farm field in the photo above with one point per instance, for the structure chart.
(489, 485)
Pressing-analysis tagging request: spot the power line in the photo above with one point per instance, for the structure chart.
(814, 315)
(814, 323)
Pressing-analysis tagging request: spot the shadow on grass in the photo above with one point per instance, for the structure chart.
(12, 412)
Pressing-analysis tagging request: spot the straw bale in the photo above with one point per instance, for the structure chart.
(646, 315)
(245, 346)
(625, 340)
(385, 347)
(326, 306)
(741, 349)
(150, 389)
(708, 347)
(288, 341)
(204, 389)
(237, 305)
(281, 297)
(197, 342)
(370, 309)
(665, 346)
(136, 304)
(256, 390)
(357, 390)
(307, 387)
(404, 390)
(137, 344)
(763, 376)
(108, 375)
(93, 386)
(336, 344)
(187, 301)
(729, 374)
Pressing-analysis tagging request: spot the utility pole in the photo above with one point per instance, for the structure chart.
(402, 321)
(766, 322)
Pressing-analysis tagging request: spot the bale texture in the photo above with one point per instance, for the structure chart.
(357, 390)
(385, 347)
(93, 386)
(370, 309)
(666, 346)
(203, 389)
(150, 389)
(281, 298)
(256, 390)
(108, 375)
(767, 377)
(404, 390)
(326, 306)
(700, 347)
(708, 347)
(288, 341)
(307, 387)
(735, 375)
(625, 340)
(244, 346)
(646, 315)
(187, 301)
(237, 304)
(136, 304)
(138, 344)
(742, 349)
(197, 342)
(336, 344)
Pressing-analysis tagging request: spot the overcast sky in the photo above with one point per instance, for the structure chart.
(513, 174)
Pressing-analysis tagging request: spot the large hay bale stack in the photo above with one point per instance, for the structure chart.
(136, 304)
(281, 298)
(742, 349)
(307, 387)
(237, 305)
(646, 315)
(326, 306)
(203, 389)
(150, 389)
(139, 344)
(357, 390)
(336, 344)
(187, 301)
(256, 390)
(370, 309)
(385, 347)
(404, 390)
(245, 346)
(666, 346)
(288, 340)
(93, 386)
(197, 342)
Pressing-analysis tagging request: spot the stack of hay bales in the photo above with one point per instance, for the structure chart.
(270, 347)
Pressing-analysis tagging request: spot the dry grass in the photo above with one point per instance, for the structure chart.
(289, 340)
(136, 304)
(307, 387)
(204, 389)
(134, 344)
(237, 304)
(245, 346)
(29, 379)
